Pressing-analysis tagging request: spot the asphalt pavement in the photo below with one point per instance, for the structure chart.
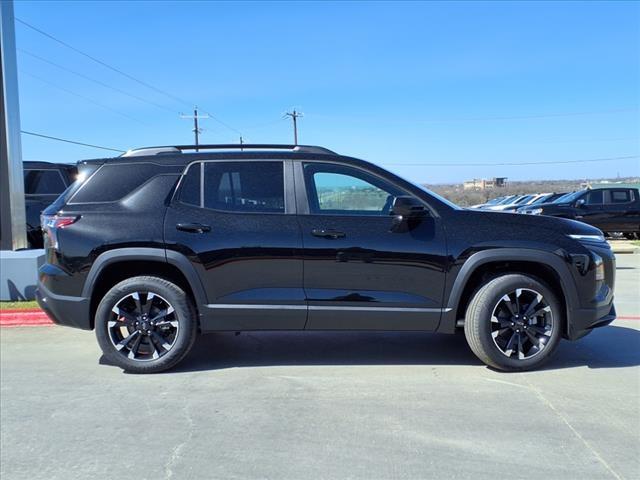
(324, 406)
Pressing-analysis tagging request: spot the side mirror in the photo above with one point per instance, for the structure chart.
(407, 212)
(580, 203)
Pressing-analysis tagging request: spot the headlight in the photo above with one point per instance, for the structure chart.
(599, 267)
(587, 238)
(534, 211)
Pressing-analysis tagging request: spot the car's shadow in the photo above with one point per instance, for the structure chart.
(608, 347)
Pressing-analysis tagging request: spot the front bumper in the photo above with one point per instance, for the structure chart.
(64, 310)
(599, 310)
(585, 320)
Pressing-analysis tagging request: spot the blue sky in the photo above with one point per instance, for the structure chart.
(394, 83)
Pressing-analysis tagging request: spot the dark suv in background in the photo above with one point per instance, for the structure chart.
(155, 246)
(43, 183)
(611, 209)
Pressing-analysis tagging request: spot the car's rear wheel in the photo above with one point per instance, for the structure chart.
(514, 322)
(146, 324)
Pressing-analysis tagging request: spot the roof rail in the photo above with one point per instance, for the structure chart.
(137, 152)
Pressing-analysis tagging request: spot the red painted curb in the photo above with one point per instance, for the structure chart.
(30, 317)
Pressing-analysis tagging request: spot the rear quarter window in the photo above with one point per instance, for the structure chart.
(621, 196)
(43, 182)
(113, 182)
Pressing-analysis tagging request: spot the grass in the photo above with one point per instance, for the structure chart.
(18, 305)
(636, 243)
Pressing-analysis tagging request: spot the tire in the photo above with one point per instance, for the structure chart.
(146, 324)
(492, 329)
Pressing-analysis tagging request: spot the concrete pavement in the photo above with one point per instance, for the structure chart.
(324, 405)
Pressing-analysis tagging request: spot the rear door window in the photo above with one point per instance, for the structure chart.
(43, 182)
(235, 186)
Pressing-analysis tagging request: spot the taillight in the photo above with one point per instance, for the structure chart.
(52, 223)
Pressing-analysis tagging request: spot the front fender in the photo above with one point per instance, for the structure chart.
(556, 261)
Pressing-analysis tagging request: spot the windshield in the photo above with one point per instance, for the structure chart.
(522, 199)
(495, 200)
(434, 194)
(542, 199)
(507, 200)
(570, 197)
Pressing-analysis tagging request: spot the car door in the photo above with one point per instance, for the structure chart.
(358, 274)
(589, 208)
(235, 221)
(622, 207)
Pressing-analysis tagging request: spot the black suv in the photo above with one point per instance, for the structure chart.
(43, 183)
(611, 209)
(157, 245)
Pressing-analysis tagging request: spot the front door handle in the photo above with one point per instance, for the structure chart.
(327, 233)
(193, 227)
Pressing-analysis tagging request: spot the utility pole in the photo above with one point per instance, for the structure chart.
(241, 143)
(294, 116)
(196, 130)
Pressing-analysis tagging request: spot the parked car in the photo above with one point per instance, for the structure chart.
(494, 201)
(511, 204)
(155, 246)
(611, 209)
(43, 182)
(552, 198)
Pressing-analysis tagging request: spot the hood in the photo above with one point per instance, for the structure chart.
(500, 220)
(545, 205)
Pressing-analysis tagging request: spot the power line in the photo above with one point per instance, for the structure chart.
(556, 162)
(104, 64)
(106, 85)
(223, 123)
(70, 141)
(117, 70)
(70, 92)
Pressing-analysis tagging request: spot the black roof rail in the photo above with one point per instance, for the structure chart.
(231, 146)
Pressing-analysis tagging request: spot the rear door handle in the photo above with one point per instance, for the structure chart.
(327, 233)
(193, 227)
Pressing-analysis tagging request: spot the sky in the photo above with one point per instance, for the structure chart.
(437, 92)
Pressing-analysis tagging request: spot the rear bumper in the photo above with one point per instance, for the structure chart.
(64, 310)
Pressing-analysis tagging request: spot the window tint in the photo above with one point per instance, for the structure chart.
(190, 190)
(338, 189)
(244, 186)
(43, 182)
(620, 196)
(112, 182)
(595, 197)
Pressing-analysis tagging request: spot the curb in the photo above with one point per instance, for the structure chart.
(32, 317)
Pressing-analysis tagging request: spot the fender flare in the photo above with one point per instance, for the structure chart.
(552, 260)
(152, 254)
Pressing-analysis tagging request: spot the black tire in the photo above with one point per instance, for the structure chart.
(480, 323)
(180, 328)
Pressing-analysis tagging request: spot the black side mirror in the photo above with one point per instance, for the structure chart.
(407, 212)
(580, 203)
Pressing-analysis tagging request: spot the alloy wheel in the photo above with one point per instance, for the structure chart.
(522, 324)
(143, 326)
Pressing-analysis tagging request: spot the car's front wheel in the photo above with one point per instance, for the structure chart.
(513, 322)
(145, 324)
